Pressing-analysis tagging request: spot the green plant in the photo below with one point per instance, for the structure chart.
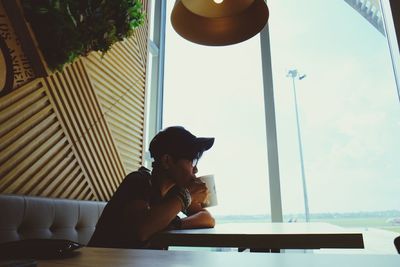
(67, 29)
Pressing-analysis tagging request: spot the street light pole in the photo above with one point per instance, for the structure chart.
(294, 74)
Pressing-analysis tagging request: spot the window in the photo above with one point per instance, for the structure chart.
(155, 74)
(349, 115)
(334, 55)
(217, 91)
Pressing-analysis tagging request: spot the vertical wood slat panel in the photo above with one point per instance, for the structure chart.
(73, 129)
(84, 126)
(34, 148)
(63, 163)
(24, 108)
(118, 78)
(108, 99)
(109, 145)
(23, 156)
(121, 83)
(20, 130)
(54, 164)
(26, 135)
(50, 148)
(59, 187)
(79, 110)
(95, 132)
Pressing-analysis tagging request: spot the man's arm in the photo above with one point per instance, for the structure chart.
(197, 217)
(147, 221)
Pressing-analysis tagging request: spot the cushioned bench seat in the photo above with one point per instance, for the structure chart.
(27, 217)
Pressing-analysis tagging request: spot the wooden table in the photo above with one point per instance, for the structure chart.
(264, 236)
(102, 257)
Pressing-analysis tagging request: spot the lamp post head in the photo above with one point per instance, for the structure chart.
(292, 73)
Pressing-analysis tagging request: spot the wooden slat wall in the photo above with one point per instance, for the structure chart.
(119, 79)
(36, 157)
(76, 133)
(80, 112)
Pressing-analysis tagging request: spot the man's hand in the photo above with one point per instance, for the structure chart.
(198, 190)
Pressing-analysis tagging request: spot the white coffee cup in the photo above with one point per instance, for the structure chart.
(212, 192)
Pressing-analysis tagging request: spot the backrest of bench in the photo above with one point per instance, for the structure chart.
(25, 217)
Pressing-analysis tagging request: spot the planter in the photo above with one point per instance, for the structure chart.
(63, 30)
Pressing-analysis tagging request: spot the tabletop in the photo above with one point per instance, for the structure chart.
(264, 236)
(101, 257)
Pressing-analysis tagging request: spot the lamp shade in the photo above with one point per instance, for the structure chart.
(208, 23)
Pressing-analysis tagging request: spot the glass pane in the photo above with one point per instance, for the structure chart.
(217, 91)
(349, 116)
(151, 19)
(393, 37)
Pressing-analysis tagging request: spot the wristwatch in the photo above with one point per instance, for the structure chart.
(184, 195)
(187, 199)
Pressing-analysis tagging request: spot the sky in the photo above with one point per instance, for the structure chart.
(348, 107)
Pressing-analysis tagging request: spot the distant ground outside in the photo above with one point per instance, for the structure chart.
(385, 220)
(380, 223)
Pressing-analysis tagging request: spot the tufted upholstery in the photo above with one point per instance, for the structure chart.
(24, 217)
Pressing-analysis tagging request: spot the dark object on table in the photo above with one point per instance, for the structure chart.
(397, 243)
(38, 249)
(18, 263)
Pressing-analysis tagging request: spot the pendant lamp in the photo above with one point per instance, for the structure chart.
(219, 22)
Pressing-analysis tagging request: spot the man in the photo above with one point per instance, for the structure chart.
(146, 203)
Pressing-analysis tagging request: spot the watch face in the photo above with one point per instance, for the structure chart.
(6, 72)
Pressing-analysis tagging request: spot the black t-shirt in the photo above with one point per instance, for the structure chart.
(112, 229)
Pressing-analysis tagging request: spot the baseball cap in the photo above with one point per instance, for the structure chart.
(180, 143)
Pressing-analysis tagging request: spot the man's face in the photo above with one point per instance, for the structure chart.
(182, 171)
